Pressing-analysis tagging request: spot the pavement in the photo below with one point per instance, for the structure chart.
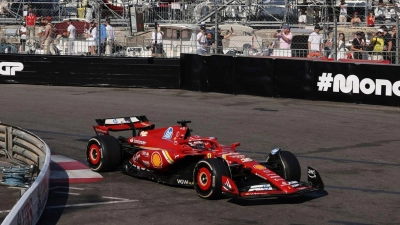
(63, 171)
(9, 195)
(354, 147)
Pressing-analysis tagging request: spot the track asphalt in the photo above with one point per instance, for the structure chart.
(354, 148)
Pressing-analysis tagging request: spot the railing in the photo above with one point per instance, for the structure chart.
(27, 149)
(261, 17)
(272, 11)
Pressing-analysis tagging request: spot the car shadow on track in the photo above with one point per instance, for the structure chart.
(280, 200)
(58, 196)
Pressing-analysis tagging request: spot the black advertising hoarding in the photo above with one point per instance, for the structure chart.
(254, 76)
(219, 75)
(191, 69)
(293, 78)
(302, 78)
(354, 82)
(208, 73)
(359, 83)
(90, 71)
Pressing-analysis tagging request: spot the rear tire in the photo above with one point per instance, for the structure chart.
(103, 153)
(288, 167)
(207, 178)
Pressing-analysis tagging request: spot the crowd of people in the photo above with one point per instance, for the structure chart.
(378, 14)
(382, 43)
(380, 46)
(45, 34)
(41, 32)
(206, 40)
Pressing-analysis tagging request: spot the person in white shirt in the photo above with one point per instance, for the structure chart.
(70, 34)
(92, 37)
(201, 41)
(315, 41)
(110, 37)
(340, 47)
(22, 36)
(380, 12)
(343, 11)
(156, 41)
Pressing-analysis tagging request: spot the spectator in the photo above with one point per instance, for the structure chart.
(380, 12)
(70, 34)
(252, 50)
(201, 41)
(303, 15)
(49, 37)
(103, 38)
(156, 41)
(111, 38)
(388, 43)
(343, 11)
(355, 21)
(4, 12)
(92, 37)
(377, 43)
(22, 36)
(42, 30)
(30, 24)
(358, 46)
(210, 42)
(370, 19)
(365, 54)
(341, 46)
(315, 41)
(285, 37)
(220, 37)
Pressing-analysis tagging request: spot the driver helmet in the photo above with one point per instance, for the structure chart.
(197, 144)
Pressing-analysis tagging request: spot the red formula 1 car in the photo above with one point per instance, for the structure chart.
(173, 156)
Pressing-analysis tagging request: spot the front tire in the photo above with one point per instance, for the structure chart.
(103, 153)
(287, 165)
(207, 178)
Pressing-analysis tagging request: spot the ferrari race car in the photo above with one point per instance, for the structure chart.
(173, 156)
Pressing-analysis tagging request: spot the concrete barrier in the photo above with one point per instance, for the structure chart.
(29, 149)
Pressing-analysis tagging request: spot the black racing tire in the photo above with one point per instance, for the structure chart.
(103, 153)
(205, 172)
(288, 167)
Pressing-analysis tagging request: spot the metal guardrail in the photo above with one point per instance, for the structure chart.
(27, 148)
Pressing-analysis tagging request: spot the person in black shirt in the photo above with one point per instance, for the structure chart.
(210, 42)
(358, 46)
(219, 39)
(388, 43)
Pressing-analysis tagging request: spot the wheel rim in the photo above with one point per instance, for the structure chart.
(204, 179)
(94, 154)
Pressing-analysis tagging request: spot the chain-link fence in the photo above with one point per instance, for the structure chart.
(247, 27)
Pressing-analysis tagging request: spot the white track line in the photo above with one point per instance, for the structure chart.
(122, 199)
(56, 187)
(88, 204)
(67, 193)
(5, 211)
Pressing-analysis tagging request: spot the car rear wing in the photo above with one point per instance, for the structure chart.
(133, 123)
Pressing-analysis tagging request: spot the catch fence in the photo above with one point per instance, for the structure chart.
(253, 24)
